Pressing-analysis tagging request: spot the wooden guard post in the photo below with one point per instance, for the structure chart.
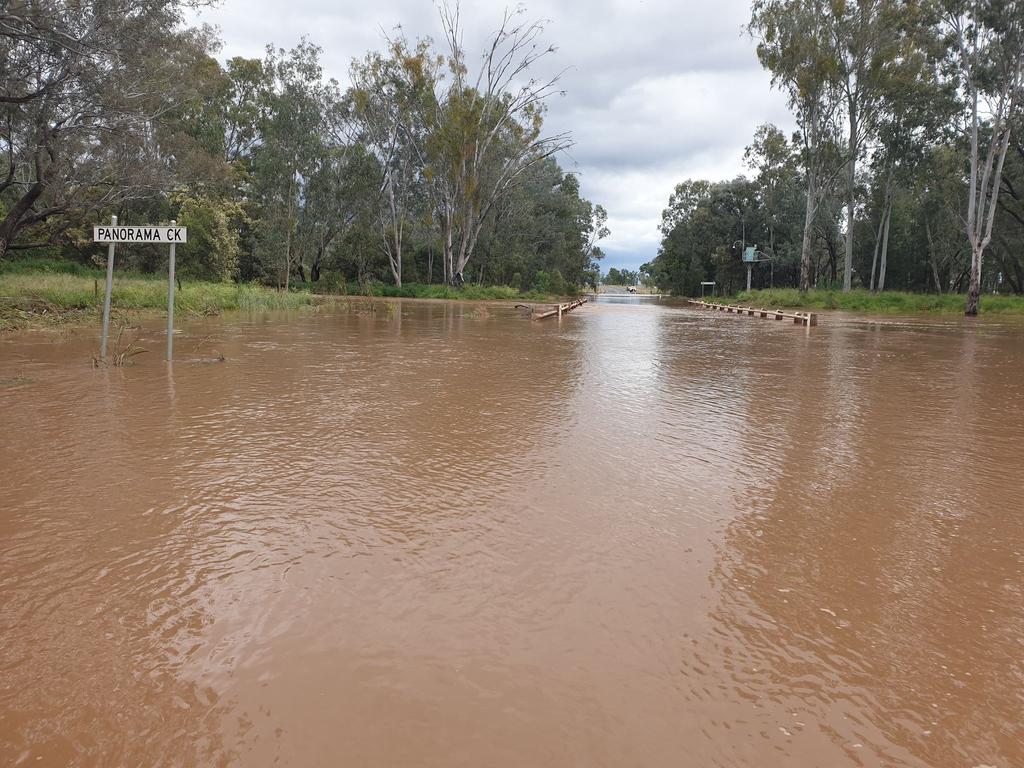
(559, 309)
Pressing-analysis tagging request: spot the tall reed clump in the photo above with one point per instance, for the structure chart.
(122, 354)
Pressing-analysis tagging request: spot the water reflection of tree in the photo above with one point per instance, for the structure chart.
(873, 587)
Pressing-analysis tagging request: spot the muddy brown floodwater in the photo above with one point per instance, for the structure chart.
(434, 535)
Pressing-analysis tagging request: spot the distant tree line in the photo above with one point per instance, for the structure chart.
(907, 168)
(427, 168)
(622, 276)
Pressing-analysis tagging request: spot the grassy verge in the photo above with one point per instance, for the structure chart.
(465, 293)
(423, 291)
(887, 302)
(59, 297)
(44, 292)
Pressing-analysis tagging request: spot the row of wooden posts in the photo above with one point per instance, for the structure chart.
(800, 318)
(559, 309)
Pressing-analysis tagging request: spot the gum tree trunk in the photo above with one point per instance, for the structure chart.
(851, 182)
(805, 249)
(974, 285)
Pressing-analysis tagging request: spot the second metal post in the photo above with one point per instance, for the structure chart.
(170, 302)
(106, 296)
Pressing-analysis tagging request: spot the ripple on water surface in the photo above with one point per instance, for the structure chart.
(641, 536)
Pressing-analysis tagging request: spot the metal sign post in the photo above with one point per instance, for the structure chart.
(749, 256)
(170, 302)
(752, 256)
(106, 296)
(148, 234)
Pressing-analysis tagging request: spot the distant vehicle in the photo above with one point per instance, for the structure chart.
(631, 289)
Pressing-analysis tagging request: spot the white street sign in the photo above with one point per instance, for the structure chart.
(171, 235)
(114, 234)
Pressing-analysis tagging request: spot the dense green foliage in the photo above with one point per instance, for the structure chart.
(467, 292)
(621, 277)
(903, 112)
(410, 174)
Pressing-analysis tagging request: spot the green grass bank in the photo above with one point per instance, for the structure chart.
(73, 292)
(887, 302)
(41, 292)
(28, 298)
(465, 293)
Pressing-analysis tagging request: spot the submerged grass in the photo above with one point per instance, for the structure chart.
(887, 302)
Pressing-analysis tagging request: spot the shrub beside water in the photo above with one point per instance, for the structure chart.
(556, 283)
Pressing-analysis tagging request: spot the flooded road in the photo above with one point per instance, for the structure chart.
(440, 535)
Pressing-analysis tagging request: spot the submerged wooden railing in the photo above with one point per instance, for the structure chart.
(800, 318)
(559, 309)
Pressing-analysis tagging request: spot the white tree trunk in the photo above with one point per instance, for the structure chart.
(808, 241)
(851, 188)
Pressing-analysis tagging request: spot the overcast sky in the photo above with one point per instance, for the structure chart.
(656, 91)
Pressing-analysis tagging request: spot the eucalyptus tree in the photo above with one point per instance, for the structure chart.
(82, 86)
(544, 225)
(341, 189)
(682, 263)
(942, 201)
(594, 224)
(683, 202)
(987, 44)
(576, 228)
(1008, 237)
(390, 100)
(826, 259)
(244, 106)
(776, 163)
(290, 146)
(915, 114)
(487, 131)
(867, 36)
(797, 46)
(701, 226)
(623, 276)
